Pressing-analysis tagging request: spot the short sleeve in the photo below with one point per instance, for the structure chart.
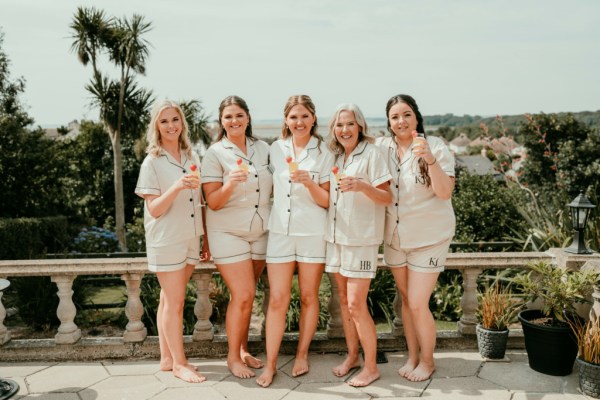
(148, 179)
(212, 170)
(326, 165)
(444, 157)
(378, 169)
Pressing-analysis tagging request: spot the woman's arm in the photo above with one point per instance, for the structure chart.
(160, 204)
(380, 194)
(218, 194)
(319, 193)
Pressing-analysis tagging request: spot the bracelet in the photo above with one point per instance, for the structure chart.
(434, 161)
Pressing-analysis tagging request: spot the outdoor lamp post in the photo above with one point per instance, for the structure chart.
(580, 210)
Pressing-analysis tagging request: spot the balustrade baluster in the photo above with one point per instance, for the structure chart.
(135, 331)
(335, 328)
(468, 302)
(68, 332)
(203, 330)
(4, 333)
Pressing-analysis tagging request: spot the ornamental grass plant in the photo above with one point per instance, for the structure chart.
(497, 307)
(588, 339)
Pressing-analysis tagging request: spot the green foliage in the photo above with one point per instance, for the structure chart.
(445, 300)
(381, 296)
(485, 209)
(498, 307)
(28, 238)
(558, 289)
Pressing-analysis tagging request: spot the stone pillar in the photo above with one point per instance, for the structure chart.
(594, 265)
(335, 327)
(4, 333)
(203, 330)
(135, 331)
(265, 303)
(469, 302)
(397, 324)
(68, 332)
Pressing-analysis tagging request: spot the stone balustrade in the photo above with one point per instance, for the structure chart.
(131, 270)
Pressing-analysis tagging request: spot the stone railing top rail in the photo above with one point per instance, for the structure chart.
(101, 266)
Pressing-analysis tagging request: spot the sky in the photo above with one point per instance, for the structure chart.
(462, 57)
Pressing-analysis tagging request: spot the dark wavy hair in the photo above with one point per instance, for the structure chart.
(234, 101)
(410, 101)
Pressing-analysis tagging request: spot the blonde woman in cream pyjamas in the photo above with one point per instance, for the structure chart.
(359, 194)
(173, 224)
(419, 225)
(237, 217)
(296, 229)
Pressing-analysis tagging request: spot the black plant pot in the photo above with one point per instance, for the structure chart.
(551, 349)
(589, 378)
(491, 343)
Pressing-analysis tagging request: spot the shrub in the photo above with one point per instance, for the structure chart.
(28, 238)
(95, 240)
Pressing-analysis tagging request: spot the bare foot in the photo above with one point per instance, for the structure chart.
(348, 365)
(167, 365)
(364, 378)
(188, 374)
(251, 361)
(266, 378)
(407, 368)
(421, 373)
(300, 367)
(240, 370)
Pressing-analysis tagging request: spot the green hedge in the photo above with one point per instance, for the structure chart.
(27, 238)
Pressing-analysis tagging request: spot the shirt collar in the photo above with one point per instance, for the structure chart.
(236, 150)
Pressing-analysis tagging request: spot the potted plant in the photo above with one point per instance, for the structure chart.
(497, 309)
(549, 340)
(588, 361)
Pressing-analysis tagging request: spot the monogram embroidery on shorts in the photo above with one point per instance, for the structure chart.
(365, 265)
(433, 261)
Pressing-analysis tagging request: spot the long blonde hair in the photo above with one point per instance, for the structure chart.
(153, 135)
(363, 135)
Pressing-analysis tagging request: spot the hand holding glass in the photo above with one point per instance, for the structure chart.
(242, 166)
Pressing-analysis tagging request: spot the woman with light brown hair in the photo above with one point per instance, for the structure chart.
(301, 164)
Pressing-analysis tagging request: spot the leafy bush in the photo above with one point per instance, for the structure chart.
(28, 238)
(445, 300)
(293, 314)
(381, 296)
(485, 209)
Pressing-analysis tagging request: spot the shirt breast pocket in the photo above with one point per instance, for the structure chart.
(315, 176)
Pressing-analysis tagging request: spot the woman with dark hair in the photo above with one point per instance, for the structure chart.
(238, 185)
(360, 190)
(301, 165)
(419, 225)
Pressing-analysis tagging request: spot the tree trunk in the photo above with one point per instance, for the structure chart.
(115, 139)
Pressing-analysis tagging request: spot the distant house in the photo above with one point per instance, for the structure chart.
(459, 144)
(72, 130)
(477, 165)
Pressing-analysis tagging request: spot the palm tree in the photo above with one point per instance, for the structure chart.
(122, 40)
(197, 121)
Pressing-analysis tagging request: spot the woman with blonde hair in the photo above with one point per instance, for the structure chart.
(173, 221)
(301, 164)
(360, 190)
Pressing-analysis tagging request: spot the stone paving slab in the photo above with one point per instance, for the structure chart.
(459, 375)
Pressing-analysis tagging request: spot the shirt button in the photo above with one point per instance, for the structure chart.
(183, 170)
(396, 186)
(288, 195)
(192, 215)
(288, 210)
(250, 163)
(191, 199)
(334, 218)
(257, 190)
(256, 175)
(334, 204)
(256, 206)
(398, 170)
(397, 221)
(396, 204)
(290, 181)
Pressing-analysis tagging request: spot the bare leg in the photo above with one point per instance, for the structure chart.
(280, 283)
(166, 360)
(309, 280)
(247, 358)
(358, 289)
(352, 360)
(420, 287)
(410, 334)
(173, 286)
(239, 278)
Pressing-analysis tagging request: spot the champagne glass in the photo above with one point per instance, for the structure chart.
(196, 171)
(242, 166)
(293, 167)
(338, 174)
